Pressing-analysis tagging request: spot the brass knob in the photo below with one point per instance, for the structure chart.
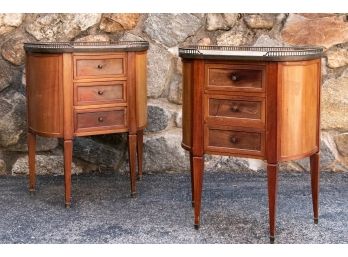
(235, 108)
(100, 66)
(100, 92)
(234, 77)
(100, 119)
(234, 140)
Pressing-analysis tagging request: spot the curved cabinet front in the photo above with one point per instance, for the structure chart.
(299, 87)
(45, 94)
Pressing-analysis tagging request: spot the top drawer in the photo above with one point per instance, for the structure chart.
(249, 78)
(99, 66)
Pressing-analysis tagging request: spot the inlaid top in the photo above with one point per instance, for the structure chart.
(250, 53)
(68, 47)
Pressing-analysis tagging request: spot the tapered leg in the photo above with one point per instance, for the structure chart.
(67, 171)
(315, 174)
(140, 138)
(192, 181)
(31, 157)
(132, 143)
(272, 174)
(197, 185)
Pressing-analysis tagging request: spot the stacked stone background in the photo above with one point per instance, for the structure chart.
(165, 32)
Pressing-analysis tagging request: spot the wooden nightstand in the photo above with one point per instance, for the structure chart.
(251, 102)
(82, 89)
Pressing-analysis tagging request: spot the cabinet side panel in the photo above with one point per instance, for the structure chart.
(299, 116)
(141, 89)
(44, 92)
(187, 105)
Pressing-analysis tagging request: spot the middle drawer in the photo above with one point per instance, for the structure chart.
(242, 111)
(100, 92)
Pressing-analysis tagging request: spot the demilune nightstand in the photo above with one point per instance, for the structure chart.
(82, 89)
(254, 102)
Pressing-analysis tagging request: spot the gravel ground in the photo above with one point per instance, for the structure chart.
(234, 210)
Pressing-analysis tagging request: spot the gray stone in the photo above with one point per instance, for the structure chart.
(163, 152)
(204, 41)
(337, 57)
(9, 21)
(216, 21)
(119, 21)
(12, 122)
(327, 156)
(131, 37)
(42, 143)
(2, 167)
(231, 18)
(256, 21)
(171, 29)
(266, 41)
(13, 51)
(236, 36)
(175, 89)
(105, 155)
(45, 164)
(157, 118)
(341, 141)
(159, 69)
(169, 110)
(55, 27)
(334, 103)
(94, 38)
(221, 21)
(6, 74)
(178, 119)
(215, 163)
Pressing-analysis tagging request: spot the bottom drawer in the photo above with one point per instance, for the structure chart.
(100, 119)
(235, 141)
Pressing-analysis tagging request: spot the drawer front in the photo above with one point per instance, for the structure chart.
(100, 93)
(240, 111)
(99, 66)
(100, 119)
(235, 77)
(234, 141)
(235, 108)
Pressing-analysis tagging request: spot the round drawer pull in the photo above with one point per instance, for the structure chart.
(100, 92)
(234, 77)
(100, 66)
(100, 119)
(235, 108)
(234, 140)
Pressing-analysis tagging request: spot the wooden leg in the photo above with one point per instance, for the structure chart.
(192, 179)
(315, 174)
(140, 138)
(31, 157)
(67, 171)
(198, 165)
(272, 174)
(132, 143)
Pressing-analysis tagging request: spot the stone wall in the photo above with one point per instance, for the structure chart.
(165, 32)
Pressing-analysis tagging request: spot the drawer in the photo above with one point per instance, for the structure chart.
(242, 111)
(100, 93)
(99, 66)
(249, 78)
(100, 119)
(226, 140)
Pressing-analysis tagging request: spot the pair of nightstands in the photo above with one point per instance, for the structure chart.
(254, 102)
